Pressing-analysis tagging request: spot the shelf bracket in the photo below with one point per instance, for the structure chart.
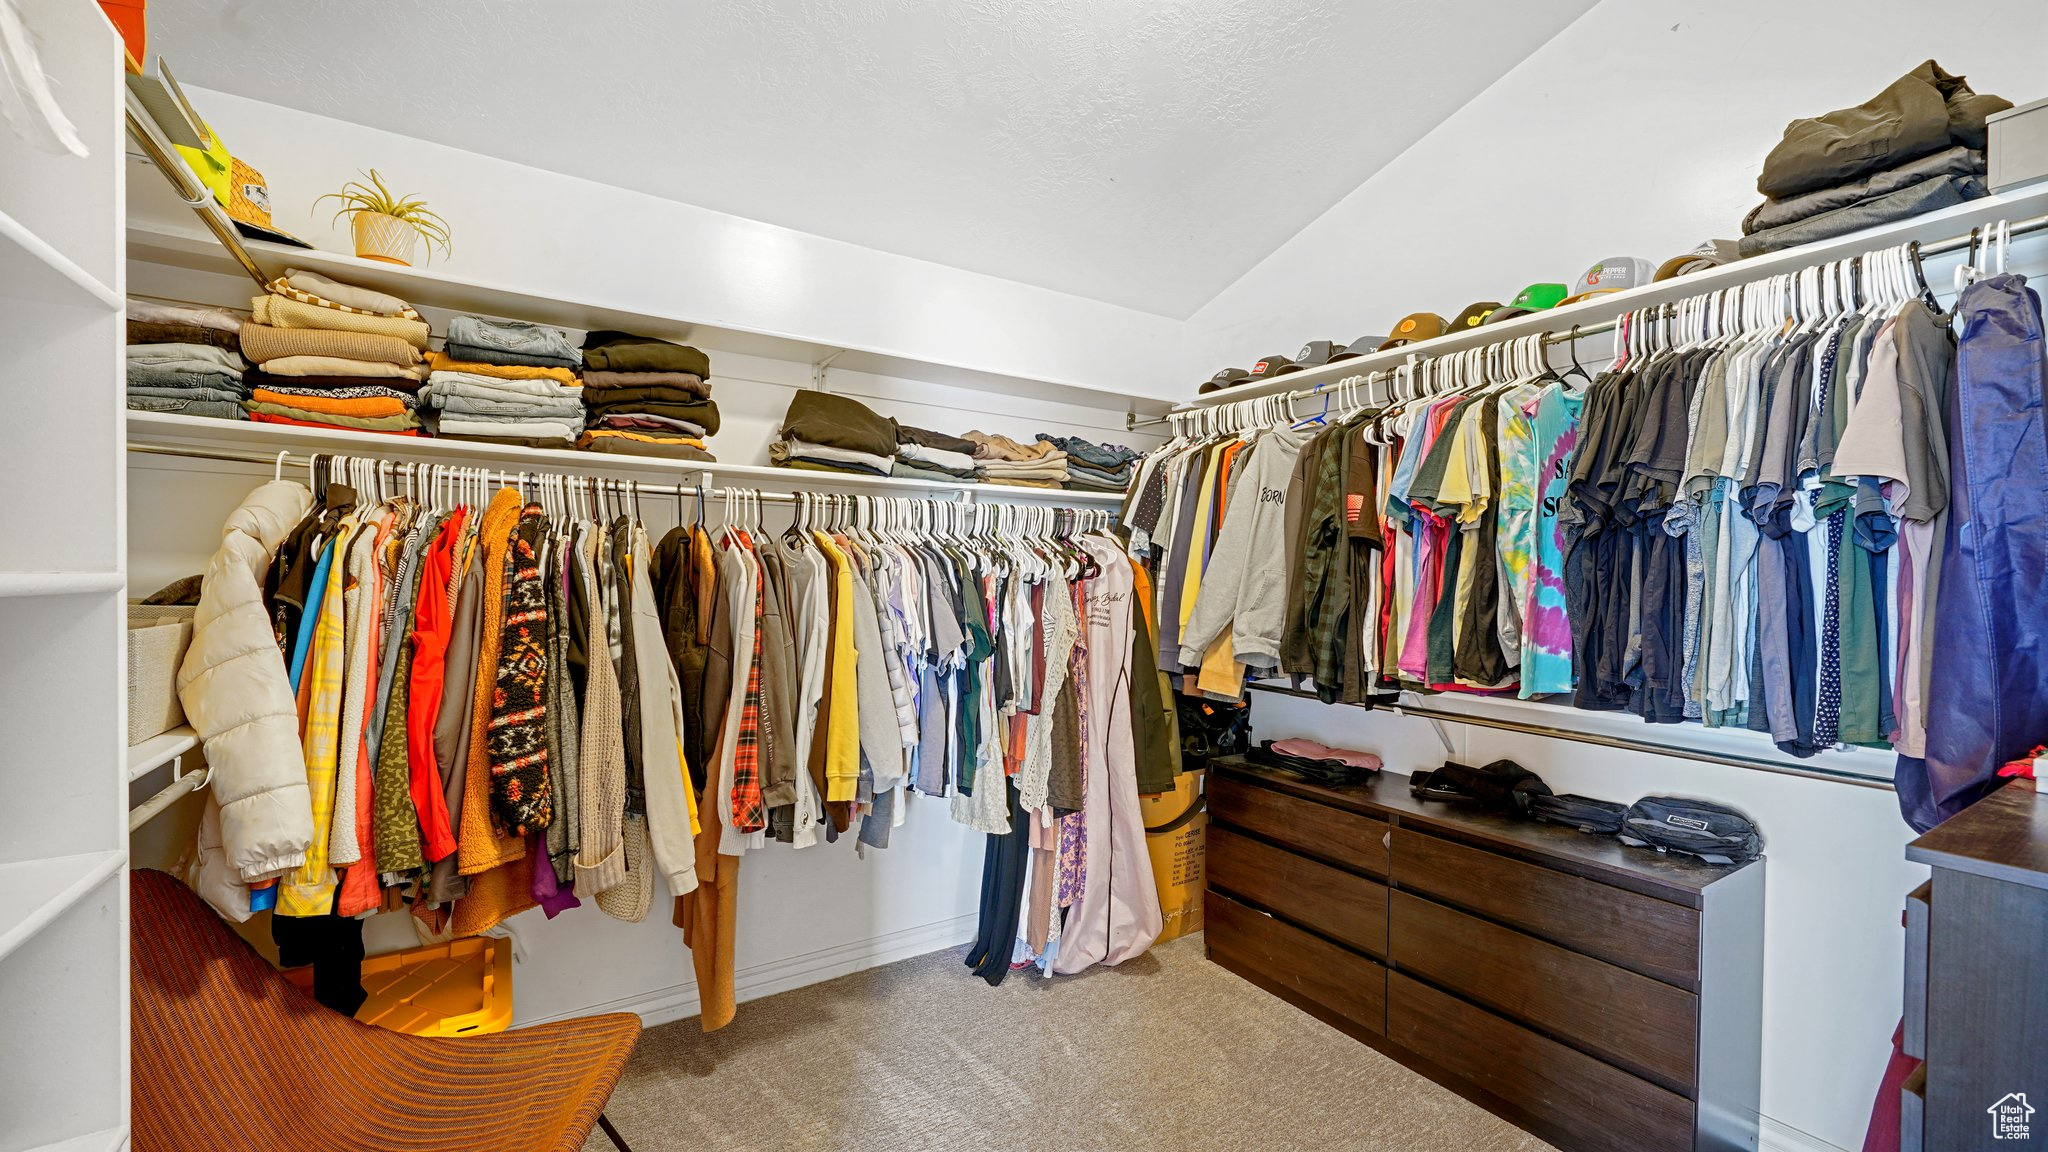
(819, 369)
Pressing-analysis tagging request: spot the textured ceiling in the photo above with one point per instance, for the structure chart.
(1140, 152)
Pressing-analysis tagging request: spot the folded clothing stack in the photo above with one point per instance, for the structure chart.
(646, 397)
(505, 381)
(1093, 467)
(924, 455)
(1318, 762)
(1001, 460)
(332, 355)
(1914, 147)
(822, 432)
(185, 360)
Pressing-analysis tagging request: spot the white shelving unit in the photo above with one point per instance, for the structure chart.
(160, 750)
(63, 890)
(171, 430)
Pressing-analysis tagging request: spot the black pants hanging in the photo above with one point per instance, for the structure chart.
(333, 945)
(1002, 894)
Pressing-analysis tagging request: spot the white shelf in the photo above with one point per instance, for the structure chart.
(160, 750)
(33, 893)
(2015, 205)
(250, 436)
(106, 1140)
(59, 583)
(153, 242)
(32, 269)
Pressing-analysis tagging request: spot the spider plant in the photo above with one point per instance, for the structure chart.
(376, 196)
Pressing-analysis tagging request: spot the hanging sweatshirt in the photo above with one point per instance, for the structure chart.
(1244, 587)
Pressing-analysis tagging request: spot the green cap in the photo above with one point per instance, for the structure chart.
(1537, 297)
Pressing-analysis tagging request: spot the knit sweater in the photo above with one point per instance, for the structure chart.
(601, 777)
(521, 791)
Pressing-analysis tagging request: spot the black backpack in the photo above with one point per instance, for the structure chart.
(1593, 817)
(1502, 786)
(1715, 833)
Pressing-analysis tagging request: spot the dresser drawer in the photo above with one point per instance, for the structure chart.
(1294, 964)
(1603, 1108)
(1347, 908)
(1637, 932)
(1318, 830)
(1647, 1027)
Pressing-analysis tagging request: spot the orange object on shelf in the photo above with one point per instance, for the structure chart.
(131, 20)
(461, 988)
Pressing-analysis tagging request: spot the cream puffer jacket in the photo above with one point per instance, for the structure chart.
(237, 694)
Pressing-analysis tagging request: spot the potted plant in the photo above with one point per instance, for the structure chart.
(388, 226)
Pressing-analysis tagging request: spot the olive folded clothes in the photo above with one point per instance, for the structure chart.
(696, 386)
(703, 413)
(265, 412)
(623, 352)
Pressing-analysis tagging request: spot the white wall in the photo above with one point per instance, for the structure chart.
(1637, 131)
(519, 225)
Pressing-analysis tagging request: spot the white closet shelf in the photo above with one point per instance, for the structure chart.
(105, 1140)
(160, 750)
(33, 893)
(31, 268)
(249, 436)
(59, 583)
(2014, 205)
(152, 242)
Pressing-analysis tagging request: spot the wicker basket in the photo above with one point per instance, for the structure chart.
(157, 638)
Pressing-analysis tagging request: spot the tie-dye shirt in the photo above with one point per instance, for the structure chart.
(1546, 633)
(1515, 528)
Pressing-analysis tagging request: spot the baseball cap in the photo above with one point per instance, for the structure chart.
(1614, 274)
(1364, 345)
(1710, 254)
(1316, 353)
(1474, 315)
(1225, 378)
(1534, 298)
(1413, 327)
(1271, 366)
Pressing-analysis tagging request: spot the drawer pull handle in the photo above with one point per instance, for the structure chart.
(1387, 840)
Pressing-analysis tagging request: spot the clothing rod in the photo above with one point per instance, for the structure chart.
(1580, 736)
(176, 790)
(965, 497)
(1578, 331)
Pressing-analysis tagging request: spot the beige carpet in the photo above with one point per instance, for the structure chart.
(1167, 1051)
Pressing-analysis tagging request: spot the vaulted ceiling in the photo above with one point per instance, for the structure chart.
(1140, 152)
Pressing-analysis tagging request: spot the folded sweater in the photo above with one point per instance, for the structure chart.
(289, 312)
(477, 353)
(680, 381)
(443, 362)
(336, 294)
(609, 351)
(330, 403)
(840, 422)
(343, 366)
(264, 342)
(937, 458)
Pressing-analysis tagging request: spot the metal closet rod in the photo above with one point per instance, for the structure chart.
(966, 498)
(1581, 736)
(1933, 248)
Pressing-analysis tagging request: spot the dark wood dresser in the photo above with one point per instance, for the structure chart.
(1606, 998)
(1977, 979)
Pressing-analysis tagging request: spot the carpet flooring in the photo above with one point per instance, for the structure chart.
(1167, 1051)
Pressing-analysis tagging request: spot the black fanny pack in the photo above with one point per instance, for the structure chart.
(1715, 833)
(1502, 786)
(1593, 817)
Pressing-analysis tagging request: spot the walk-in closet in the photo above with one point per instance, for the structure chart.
(892, 576)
